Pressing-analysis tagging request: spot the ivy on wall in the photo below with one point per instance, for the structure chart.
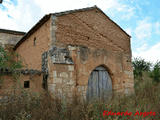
(9, 61)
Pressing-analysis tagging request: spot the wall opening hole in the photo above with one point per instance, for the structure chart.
(34, 41)
(26, 84)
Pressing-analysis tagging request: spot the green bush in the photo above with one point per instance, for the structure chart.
(140, 66)
(3, 58)
(9, 60)
(155, 73)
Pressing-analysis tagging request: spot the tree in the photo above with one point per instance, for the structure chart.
(3, 58)
(139, 66)
(8, 59)
(155, 73)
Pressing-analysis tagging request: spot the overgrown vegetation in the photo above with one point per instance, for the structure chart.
(155, 74)
(9, 59)
(140, 66)
(28, 106)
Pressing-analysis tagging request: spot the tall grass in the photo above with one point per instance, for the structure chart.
(27, 106)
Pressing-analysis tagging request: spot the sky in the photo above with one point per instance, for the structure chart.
(139, 18)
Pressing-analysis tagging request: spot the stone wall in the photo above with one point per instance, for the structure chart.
(91, 40)
(61, 81)
(8, 39)
(67, 78)
(70, 46)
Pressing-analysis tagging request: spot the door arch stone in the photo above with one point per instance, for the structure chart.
(99, 85)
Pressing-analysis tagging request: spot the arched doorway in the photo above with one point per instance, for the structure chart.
(99, 84)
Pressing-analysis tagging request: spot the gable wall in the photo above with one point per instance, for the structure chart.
(91, 28)
(91, 39)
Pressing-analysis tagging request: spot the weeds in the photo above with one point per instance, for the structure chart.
(27, 106)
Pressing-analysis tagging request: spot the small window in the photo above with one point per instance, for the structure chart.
(34, 41)
(26, 84)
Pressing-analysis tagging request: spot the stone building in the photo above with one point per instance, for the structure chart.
(79, 51)
(9, 38)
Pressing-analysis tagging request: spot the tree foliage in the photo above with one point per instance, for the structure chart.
(9, 59)
(3, 58)
(139, 66)
(155, 73)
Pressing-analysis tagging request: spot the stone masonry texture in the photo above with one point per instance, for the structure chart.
(9, 39)
(92, 40)
(70, 46)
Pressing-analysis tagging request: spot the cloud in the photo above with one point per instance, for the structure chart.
(50, 6)
(143, 29)
(129, 31)
(142, 48)
(130, 13)
(62, 5)
(144, 35)
(20, 16)
(23, 14)
(150, 54)
(118, 9)
(127, 12)
(157, 28)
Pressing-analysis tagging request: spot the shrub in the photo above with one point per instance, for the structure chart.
(28, 106)
(155, 73)
(140, 66)
(9, 59)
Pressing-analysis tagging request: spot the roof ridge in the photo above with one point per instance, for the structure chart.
(12, 31)
(113, 22)
(47, 16)
(84, 9)
(74, 10)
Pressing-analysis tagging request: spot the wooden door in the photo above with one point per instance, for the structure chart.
(99, 84)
